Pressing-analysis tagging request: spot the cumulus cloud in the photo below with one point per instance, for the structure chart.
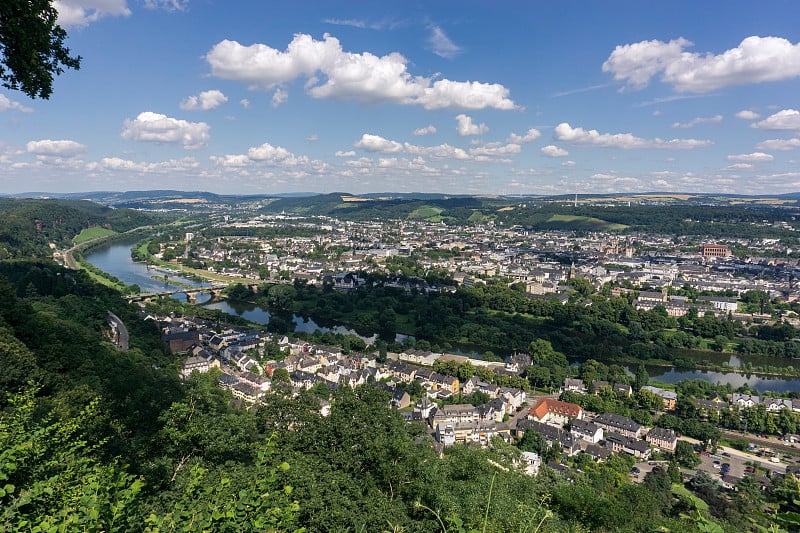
(271, 156)
(530, 136)
(747, 114)
(279, 97)
(77, 13)
(739, 166)
(552, 150)
(49, 148)
(119, 164)
(154, 127)
(496, 149)
(376, 143)
(755, 60)
(204, 101)
(467, 127)
(334, 73)
(6, 104)
(755, 157)
(313, 137)
(349, 153)
(699, 120)
(779, 144)
(244, 102)
(430, 129)
(786, 119)
(441, 45)
(568, 164)
(578, 136)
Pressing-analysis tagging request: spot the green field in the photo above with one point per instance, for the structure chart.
(426, 212)
(92, 233)
(582, 222)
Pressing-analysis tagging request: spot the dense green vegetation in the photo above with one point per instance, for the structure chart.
(501, 319)
(95, 439)
(30, 226)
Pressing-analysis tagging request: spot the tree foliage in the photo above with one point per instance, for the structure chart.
(32, 50)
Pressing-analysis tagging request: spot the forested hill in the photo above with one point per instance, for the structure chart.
(743, 219)
(29, 226)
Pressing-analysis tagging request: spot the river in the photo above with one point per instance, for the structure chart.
(115, 258)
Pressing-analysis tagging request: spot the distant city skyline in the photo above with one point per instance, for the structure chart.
(450, 97)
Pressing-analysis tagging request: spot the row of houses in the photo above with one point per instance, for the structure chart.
(773, 405)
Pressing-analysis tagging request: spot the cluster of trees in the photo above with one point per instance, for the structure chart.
(28, 227)
(499, 318)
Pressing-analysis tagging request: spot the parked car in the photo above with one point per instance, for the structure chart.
(726, 454)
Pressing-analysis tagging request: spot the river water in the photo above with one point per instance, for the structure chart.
(115, 259)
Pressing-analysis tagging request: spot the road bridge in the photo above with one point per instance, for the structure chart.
(191, 294)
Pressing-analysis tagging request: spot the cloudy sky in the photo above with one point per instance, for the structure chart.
(459, 97)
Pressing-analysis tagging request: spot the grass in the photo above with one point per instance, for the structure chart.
(425, 212)
(582, 222)
(92, 233)
(680, 490)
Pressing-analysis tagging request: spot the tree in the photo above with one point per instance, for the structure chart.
(642, 377)
(32, 47)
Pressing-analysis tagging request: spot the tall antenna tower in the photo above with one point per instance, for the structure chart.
(576, 197)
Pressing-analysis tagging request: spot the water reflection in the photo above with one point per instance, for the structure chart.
(735, 379)
(115, 258)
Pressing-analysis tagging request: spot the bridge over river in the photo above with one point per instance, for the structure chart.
(191, 293)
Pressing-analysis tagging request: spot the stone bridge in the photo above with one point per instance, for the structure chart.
(191, 294)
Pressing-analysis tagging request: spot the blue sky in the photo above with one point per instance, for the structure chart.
(456, 97)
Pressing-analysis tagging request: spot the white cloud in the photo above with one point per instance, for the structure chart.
(49, 148)
(755, 157)
(552, 150)
(349, 153)
(699, 120)
(779, 144)
(6, 104)
(358, 23)
(376, 143)
(440, 151)
(637, 63)
(204, 101)
(568, 164)
(364, 77)
(755, 60)
(466, 95)
(430, 129)
(271, 156)
(467, 127)
(313, 137)
(76, 13)
(167, 5)
(566, 133)
(786, 119)
(739, 166)
(496, 149)
(441, 45)
(530, 136)
(172, 165)
(154, 127)
(244, 102)
(275, 155)
(279, 97)
(747, 114)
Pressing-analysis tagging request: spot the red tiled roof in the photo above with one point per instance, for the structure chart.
(548, 405)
